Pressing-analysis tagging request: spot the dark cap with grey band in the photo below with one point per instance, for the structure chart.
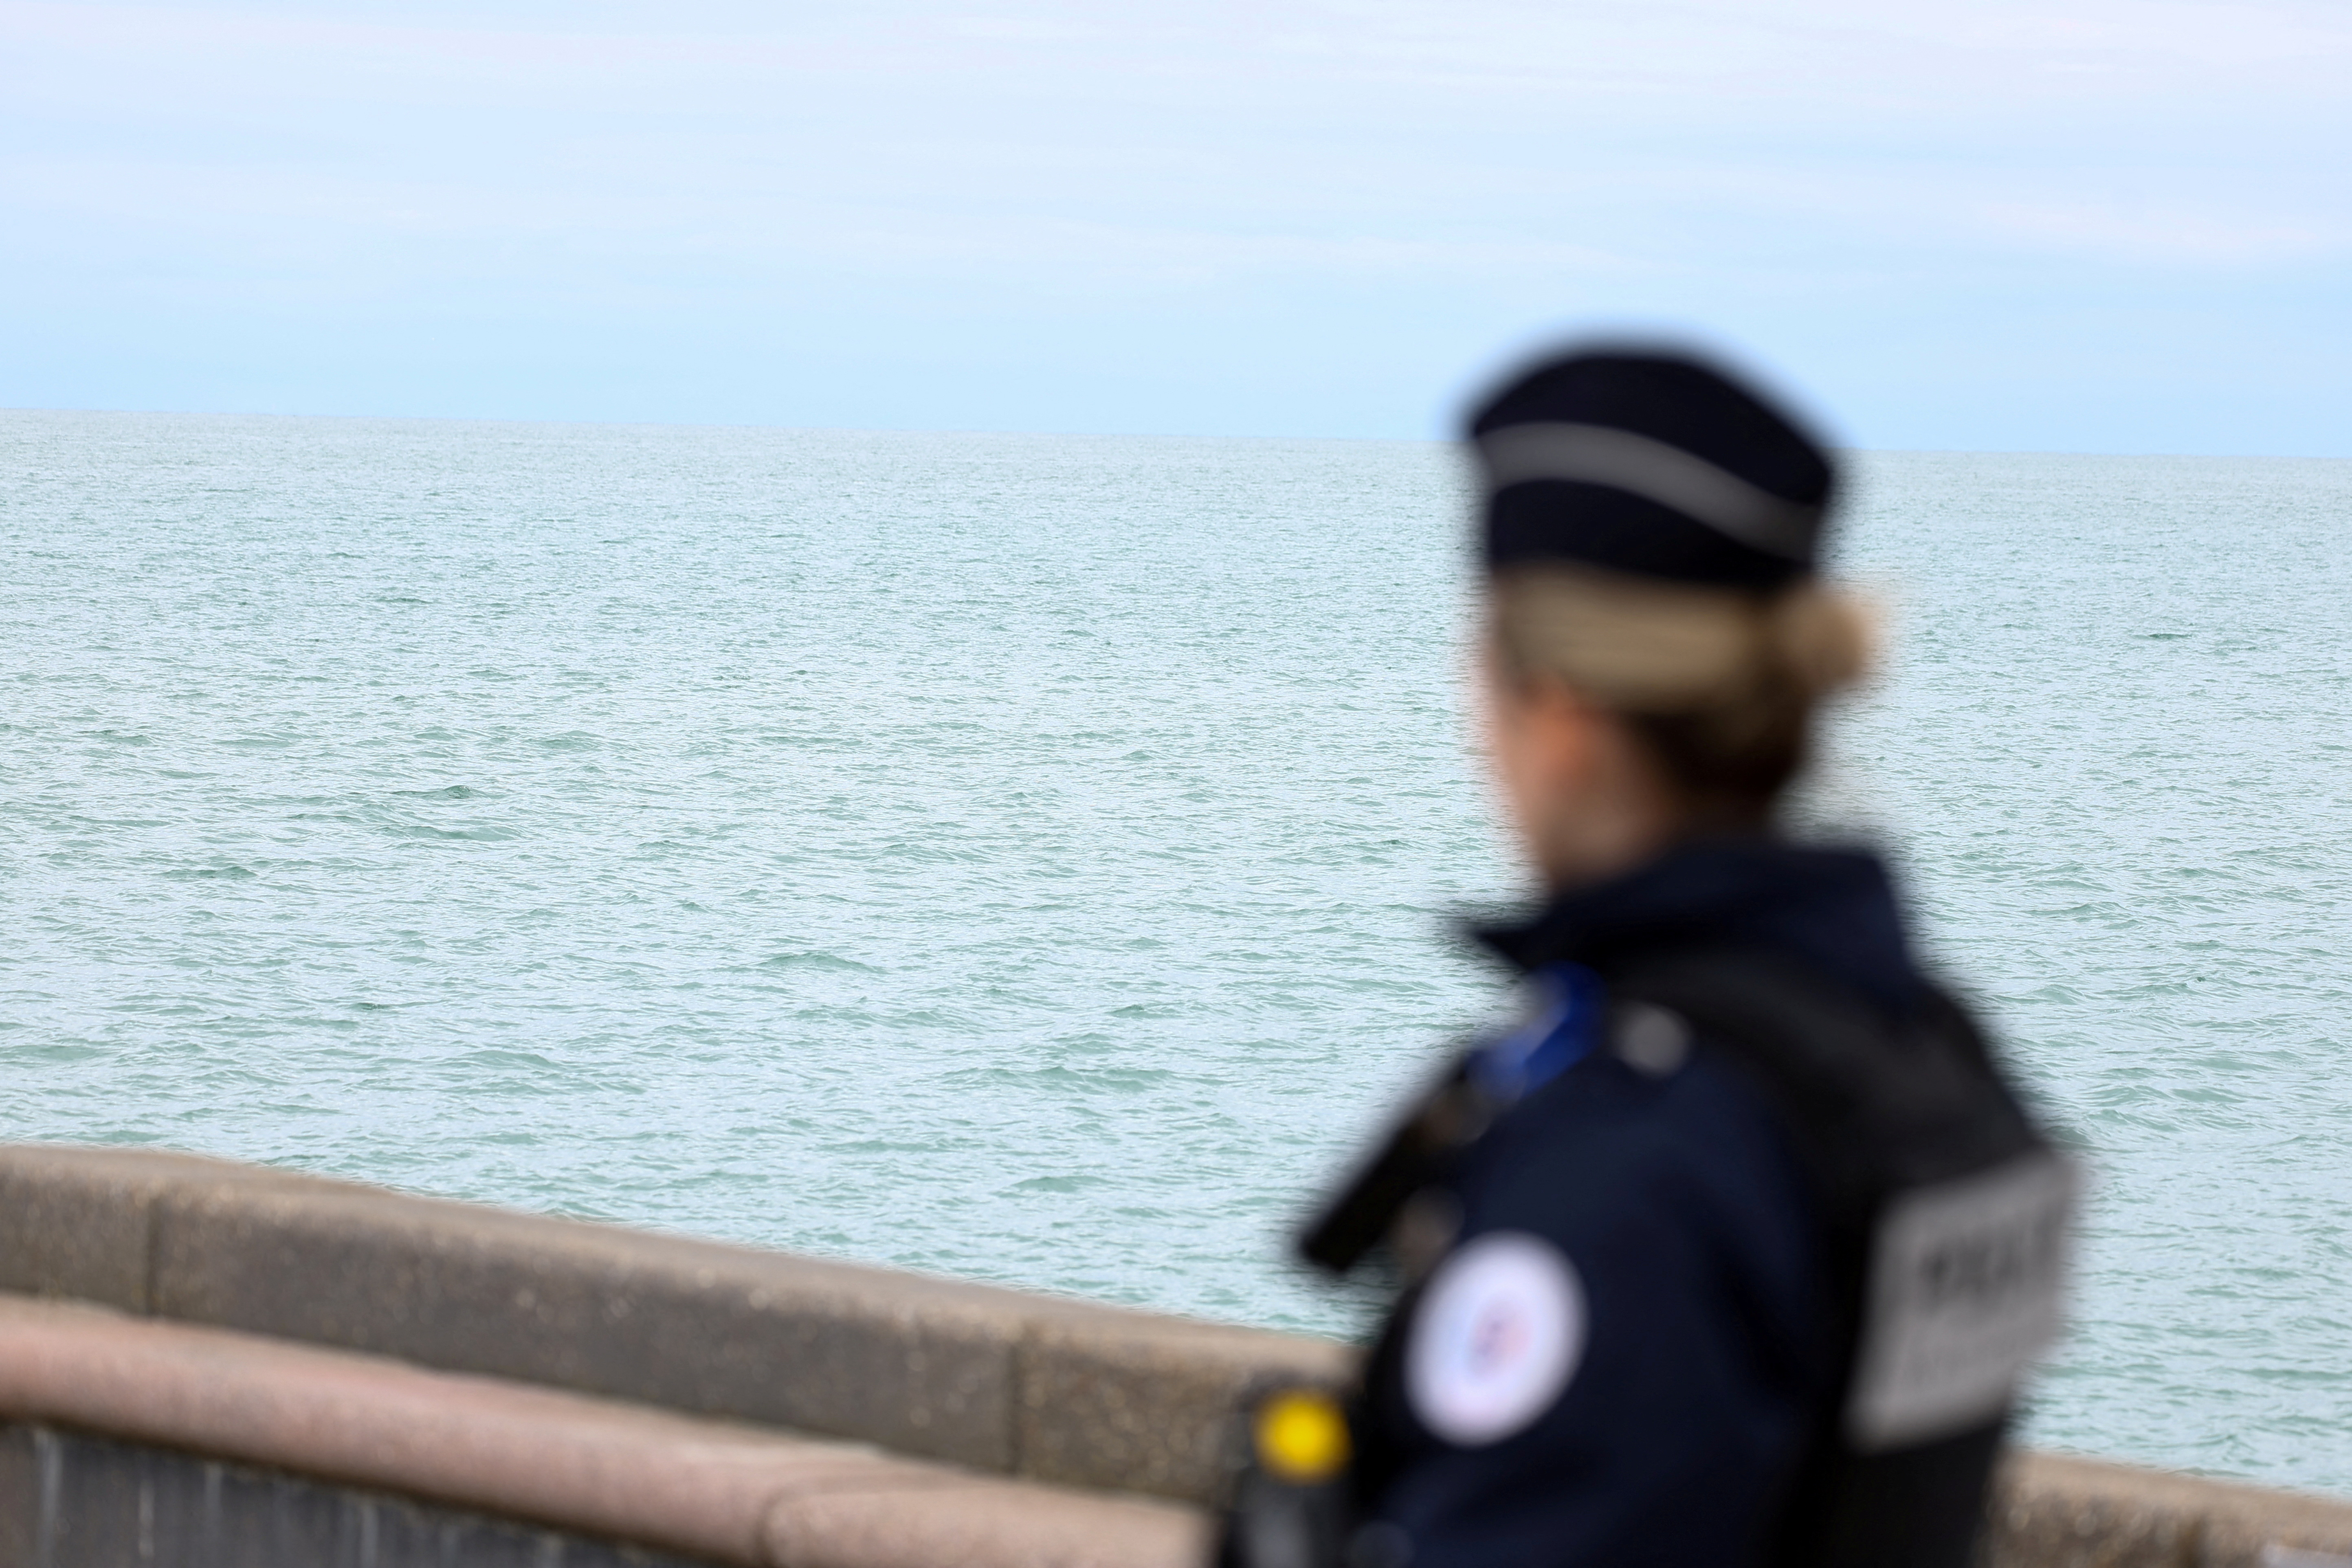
(1650, 463)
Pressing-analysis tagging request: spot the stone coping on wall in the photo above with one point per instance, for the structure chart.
(2061, 1511)
(799, 1359)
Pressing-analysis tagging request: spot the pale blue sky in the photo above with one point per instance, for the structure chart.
(2047, 224)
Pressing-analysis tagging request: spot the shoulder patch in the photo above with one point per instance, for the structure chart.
(1495, 1338)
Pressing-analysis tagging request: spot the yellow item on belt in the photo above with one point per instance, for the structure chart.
(1302, 1438)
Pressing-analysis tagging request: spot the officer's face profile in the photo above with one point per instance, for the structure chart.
(1581, 793)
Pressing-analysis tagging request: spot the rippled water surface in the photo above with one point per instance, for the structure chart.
(1032, 857)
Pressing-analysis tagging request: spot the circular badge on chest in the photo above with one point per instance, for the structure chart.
(1495, 1338)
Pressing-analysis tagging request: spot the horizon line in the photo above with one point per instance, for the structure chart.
(623, 424)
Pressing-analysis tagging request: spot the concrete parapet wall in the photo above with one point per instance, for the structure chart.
(792, 1356)
(999, 1380)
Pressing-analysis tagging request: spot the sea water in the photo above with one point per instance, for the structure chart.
(1040, 859)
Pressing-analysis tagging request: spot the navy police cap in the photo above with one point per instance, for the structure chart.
(1651, 463)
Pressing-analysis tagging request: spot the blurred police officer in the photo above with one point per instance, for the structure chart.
(1732, 1248)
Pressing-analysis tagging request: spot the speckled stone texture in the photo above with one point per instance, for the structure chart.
(2055, 1511)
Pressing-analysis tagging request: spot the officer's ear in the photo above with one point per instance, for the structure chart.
(1584, 796)
(1544, 738)
(1571, 730)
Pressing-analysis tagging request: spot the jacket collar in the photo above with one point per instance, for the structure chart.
(1835, 909)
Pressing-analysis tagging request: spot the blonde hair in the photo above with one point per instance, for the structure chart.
(1720, 683)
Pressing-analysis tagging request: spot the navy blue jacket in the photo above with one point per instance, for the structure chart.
(1697, 1309)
